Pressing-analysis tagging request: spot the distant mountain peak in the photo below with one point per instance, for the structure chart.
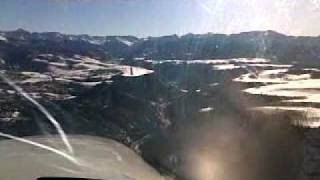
(22, 31)
(266, 44)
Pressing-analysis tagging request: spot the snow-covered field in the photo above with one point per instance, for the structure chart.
(3, 38)
(225, 67)
(214, 61)
(77, 70)
(310, 116)
(80, 69)
(206, 109)
(228, 64)
(296, 87)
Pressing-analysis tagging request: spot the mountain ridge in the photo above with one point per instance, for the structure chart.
(254, 44)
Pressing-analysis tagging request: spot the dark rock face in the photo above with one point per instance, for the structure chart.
(128, 110)
(311, 154)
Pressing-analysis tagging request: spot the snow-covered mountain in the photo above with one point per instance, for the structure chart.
(263, 44)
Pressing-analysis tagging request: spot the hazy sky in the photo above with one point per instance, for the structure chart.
(161, 17)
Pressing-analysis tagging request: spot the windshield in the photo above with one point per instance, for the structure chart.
(150, 90)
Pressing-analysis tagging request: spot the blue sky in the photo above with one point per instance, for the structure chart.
(161, 17)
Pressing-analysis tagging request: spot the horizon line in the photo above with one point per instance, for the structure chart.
(141, 37)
